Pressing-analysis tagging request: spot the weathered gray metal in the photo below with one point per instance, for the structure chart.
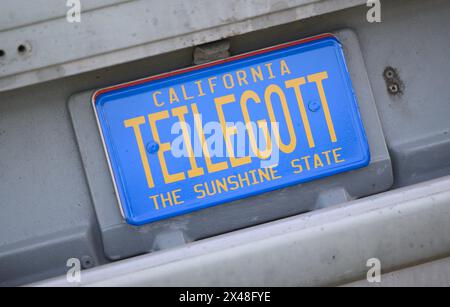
(49, 202)
(118, 31)
(325, 247)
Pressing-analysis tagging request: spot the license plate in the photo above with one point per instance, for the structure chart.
(231, 129)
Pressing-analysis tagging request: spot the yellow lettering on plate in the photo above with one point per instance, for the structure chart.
(155, 100)
(173, 97)
(337, 155)
(229, 131)
(295, 85)
(163, 147)
(212, 167)
(135, 123)
(318, 79)
(195, 171)
(262, 124)
(284, 68)
(274, 89)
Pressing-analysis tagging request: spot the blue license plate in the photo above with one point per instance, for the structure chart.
(214, 133)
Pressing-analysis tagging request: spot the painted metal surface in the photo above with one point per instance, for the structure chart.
(321, 248)
(112, 32)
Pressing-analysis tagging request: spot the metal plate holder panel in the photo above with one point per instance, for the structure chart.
(121, 240)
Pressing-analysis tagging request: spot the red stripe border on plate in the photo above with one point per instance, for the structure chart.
(211, 64)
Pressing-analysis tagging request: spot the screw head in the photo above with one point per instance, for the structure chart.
(87, 262)
(394, 88)
(389, 73)
(314, 106)
(152, 147)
